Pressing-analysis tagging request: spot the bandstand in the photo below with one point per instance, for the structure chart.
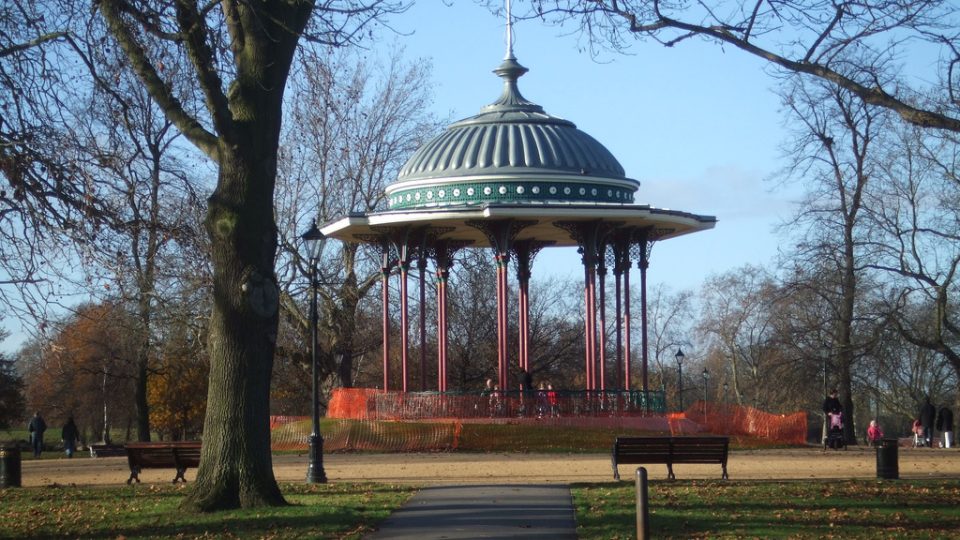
(516, 180)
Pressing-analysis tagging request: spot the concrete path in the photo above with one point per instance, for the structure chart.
(483, 511)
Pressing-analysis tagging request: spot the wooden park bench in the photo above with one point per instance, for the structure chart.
(162, 455)
(670, 450)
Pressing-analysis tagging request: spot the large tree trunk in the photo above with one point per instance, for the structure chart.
(236, 468)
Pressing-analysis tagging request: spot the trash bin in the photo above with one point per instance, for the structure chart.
(9, 466)
(887, 466)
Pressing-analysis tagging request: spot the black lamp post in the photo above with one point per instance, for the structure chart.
(706, 376)
(315, 472)
(679, 357)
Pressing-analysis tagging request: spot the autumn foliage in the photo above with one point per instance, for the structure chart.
(177, 392)
(86, 372)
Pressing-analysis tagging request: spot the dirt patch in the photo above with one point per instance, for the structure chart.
(502, 468)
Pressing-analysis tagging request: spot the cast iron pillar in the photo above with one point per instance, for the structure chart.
(501, 235)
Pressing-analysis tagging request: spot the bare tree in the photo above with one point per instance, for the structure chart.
(831, 155)
(859, 46)
(917, 238)
(239, 56)
(354, 122)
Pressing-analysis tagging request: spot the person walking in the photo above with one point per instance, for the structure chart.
(945, 425)
(36, 427)
(69, 434)
(833, 418)
(927, 415)
(874, 434)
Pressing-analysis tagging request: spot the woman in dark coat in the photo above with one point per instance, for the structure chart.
(945, 425)
(927, 416)
(70, 435)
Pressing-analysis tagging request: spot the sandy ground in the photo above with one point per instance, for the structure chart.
(464, 468)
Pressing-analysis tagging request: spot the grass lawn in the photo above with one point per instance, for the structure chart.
(797, 509)
(152, 511)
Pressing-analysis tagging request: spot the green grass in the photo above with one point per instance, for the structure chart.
(345, 511)
(799, 509)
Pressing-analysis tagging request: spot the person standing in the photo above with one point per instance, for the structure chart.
(927, 415)
(69, 434)
(945, 425)
(874, 433)
(36, 427)
(833, 418)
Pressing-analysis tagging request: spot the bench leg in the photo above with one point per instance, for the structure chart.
(179, 477)
(613, 461)
(134, 475)
(670, 474)
(724, 477)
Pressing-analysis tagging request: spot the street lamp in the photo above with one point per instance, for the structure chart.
(706, 375)
(315, 473)
(679, 357)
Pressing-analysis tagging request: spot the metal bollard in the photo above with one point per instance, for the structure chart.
(887, 460)
(643, 519)
(10, 466)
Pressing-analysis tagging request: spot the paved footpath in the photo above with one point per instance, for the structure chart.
(483, 511)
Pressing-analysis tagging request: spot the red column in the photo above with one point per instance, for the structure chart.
(385, 286)
(590, 320)
(524, 317)
(442, 275)
(618, 282)
(404, 322)
(643, 310)
(422, 268)
(626, 326)
(502, 260)
(603, 325)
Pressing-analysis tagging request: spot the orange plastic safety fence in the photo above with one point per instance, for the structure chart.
(292, 432)
(371, 404)
(732, 419)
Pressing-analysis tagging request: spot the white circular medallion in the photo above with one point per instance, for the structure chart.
(470, 192)
(456, 192)
(553, 190)
(487, 190)
(535, 189)
(441, 194)
(566, 191)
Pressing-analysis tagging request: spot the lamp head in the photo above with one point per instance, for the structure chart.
(679, 356)
(311, 239)
(706, 374)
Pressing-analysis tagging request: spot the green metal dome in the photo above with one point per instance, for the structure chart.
(511, 152)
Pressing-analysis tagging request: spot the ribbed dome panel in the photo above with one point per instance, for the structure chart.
(511, 151)
(476, 149)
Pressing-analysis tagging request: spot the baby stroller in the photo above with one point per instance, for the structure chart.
(835, 433)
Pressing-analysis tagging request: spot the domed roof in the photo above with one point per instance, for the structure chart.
(511, 152)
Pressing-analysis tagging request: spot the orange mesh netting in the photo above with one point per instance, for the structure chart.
(292, 433)
(370, 419)
(732, 419)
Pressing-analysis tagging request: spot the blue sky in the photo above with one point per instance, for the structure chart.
(699, 127)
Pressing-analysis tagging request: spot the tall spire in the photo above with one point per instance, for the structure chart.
(509, 55)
